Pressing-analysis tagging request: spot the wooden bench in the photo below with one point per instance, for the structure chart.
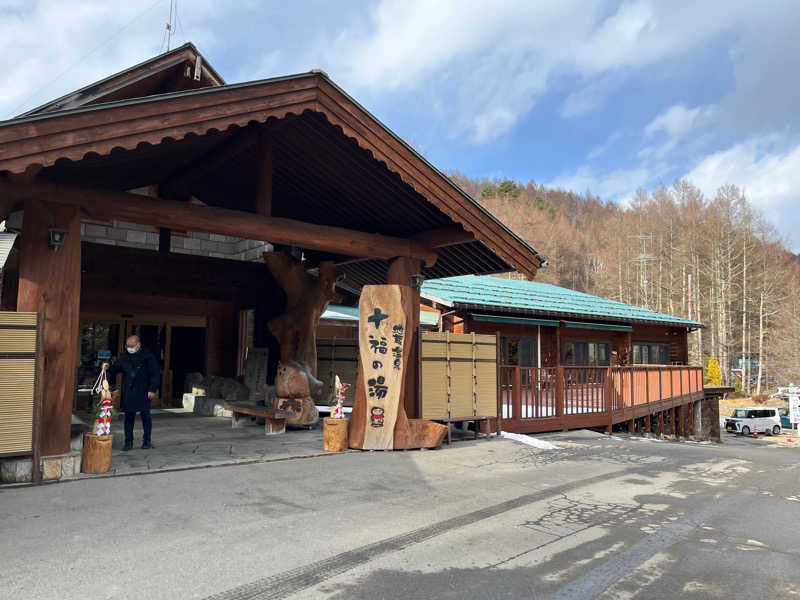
(477, 420)
(274, 419)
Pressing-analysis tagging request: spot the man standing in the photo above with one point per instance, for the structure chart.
(141, 376)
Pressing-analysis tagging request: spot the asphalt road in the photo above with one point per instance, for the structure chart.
(605, 517)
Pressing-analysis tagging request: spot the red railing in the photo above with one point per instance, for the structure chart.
(560, 397)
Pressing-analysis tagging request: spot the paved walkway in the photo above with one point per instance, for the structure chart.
(183, 440)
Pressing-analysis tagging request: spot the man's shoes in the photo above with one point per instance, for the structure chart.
(127, 446)
(146, 445)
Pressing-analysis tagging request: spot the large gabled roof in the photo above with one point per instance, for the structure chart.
(499, 294)
(135, 127)
(175, 70)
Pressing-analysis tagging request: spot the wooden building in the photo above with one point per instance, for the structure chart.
(569, 359)
(153, 201)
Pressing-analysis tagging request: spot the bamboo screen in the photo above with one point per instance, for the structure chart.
(338, 356)
(459, 375)
(17, 374)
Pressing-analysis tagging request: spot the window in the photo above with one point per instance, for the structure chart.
(519, 351)
(581, 353)
(645, 353)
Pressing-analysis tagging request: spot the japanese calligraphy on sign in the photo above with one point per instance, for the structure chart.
(382, 335)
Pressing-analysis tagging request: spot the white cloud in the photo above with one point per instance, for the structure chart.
(677, 123)
(49, 48)
(598, 151)
(769, 172)
(618, 185)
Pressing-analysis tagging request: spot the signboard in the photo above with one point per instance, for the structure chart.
(381, 337)
(794, 409)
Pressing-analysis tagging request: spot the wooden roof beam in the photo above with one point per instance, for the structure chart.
(446, 236)
(124, 206)
(224, 152)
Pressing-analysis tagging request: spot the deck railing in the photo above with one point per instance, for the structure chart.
(570, 396)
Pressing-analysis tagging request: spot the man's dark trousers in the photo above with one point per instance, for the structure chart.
(147, 425)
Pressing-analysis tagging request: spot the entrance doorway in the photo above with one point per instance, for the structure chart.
(187, 355)
(178, 343)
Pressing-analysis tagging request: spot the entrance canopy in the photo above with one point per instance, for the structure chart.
(296, 151)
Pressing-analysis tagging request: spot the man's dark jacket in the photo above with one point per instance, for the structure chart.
(140, 375)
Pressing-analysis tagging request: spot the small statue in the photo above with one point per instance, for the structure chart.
(341, 388)
(103, 426)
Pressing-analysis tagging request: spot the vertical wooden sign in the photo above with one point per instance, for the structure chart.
(382, 334)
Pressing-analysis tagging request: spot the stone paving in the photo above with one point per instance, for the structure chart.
(183, 440)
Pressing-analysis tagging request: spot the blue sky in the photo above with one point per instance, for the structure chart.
(604, 97)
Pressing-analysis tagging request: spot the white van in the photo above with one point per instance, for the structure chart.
(756, 418)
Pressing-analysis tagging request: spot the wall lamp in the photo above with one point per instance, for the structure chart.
(57, 238)
(416, 281)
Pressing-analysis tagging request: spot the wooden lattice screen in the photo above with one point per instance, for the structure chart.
(338, 356)
(459, 375)
(18, 340)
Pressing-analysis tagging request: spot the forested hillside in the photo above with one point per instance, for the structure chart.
(714, 260)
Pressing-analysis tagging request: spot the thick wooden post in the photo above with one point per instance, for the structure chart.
(660, 423)
(50, 280)
(164, 240)
(400, 272)
(647, 423)
(264, 173)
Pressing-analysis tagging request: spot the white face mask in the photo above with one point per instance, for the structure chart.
(133, 350)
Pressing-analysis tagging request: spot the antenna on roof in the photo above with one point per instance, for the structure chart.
(173, 12)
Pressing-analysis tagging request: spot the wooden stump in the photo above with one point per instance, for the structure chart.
(335, 435)
(96, 453)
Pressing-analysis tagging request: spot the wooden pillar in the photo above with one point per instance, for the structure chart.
(647, 423)
(691, 418)
(400, 272)
(164, 240)
(50, 280)
(660, 422)
(682, 420)
(673, 416)
(264, 173)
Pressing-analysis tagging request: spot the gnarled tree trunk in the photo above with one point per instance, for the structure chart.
(307, 298)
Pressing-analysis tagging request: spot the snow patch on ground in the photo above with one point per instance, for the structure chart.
(530, 441)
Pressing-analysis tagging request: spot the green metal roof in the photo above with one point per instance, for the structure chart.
(339, 312)
(532, 297)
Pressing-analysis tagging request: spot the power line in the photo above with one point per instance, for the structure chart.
(100, 46)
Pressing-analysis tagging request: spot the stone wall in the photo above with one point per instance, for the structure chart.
(20, 469)
(708, 411)
(132, 235)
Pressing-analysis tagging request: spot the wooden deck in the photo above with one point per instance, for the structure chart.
(555, 398)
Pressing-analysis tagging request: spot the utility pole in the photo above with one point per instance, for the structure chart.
(643, 259)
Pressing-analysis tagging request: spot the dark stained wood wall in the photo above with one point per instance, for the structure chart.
(676, 337)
